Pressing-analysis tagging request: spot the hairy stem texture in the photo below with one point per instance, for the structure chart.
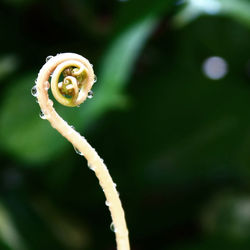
(78, 79)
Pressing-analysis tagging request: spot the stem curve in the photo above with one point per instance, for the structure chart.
(73, 90)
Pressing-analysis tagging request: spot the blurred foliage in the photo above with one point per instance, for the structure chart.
(239, 10)
(176, 141)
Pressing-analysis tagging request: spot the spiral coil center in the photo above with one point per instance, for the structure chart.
(77, 82)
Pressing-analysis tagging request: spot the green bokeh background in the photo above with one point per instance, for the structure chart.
(176, 142)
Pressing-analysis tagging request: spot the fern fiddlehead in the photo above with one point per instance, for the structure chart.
(72, 91)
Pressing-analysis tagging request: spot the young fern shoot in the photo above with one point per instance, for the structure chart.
(72, 91)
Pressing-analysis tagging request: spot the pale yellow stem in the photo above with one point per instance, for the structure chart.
(55, 66)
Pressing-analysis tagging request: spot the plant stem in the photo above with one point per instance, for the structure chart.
(56, 65)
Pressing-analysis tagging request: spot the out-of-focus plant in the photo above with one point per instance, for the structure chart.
(8, 232)
(237, 9)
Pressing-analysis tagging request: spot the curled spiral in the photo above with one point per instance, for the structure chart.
(78, 78)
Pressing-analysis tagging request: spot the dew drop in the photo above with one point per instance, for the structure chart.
(48, 58)
(42, 115)
(107, 203)
(91, 167)
(90, 94)
(112, 227)
(34, 91)
(78, 151)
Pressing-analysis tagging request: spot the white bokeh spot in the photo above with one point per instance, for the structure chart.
(215, 67)
(211, 7)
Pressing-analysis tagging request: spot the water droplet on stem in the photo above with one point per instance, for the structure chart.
(112, 227)
(78, 151)
(34, 91)
(90, 94)
(48, 58)
(42, 115)
(91, 167)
